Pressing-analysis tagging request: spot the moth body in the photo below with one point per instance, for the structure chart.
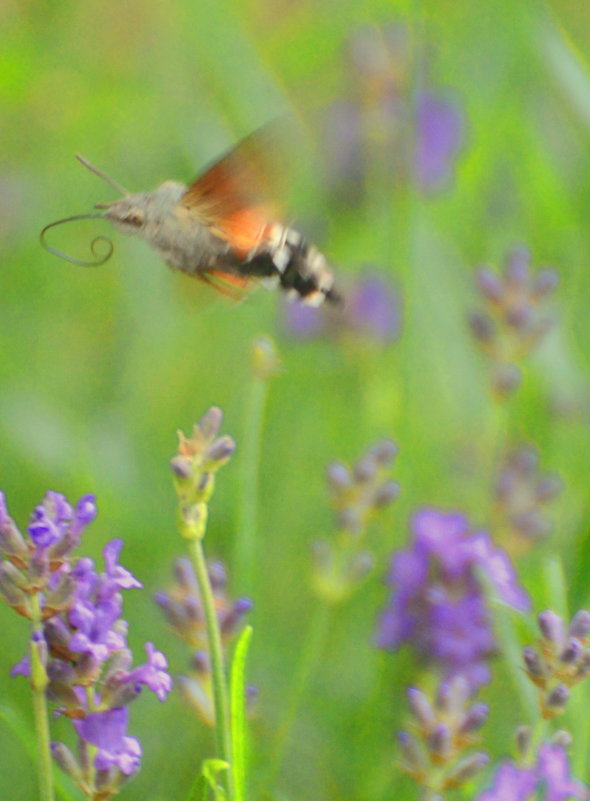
(221, 230)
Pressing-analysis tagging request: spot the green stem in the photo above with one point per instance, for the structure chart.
(310, 655)
(220, 692)
(38, 684)
(246, 543)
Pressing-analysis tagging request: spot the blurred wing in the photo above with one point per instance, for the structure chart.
(232, 286)
(231, 197)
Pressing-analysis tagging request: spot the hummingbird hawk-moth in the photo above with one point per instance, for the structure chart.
(219, 229)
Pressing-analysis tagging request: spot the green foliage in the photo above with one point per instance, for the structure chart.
(99, 368)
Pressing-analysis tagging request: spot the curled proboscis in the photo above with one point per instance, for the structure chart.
(96, 242)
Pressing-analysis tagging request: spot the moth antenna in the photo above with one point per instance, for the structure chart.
(120, 189)
(93, 245)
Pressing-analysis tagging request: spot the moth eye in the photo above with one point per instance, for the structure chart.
(134, 219)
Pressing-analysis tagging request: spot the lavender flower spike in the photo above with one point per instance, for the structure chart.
(437, 602)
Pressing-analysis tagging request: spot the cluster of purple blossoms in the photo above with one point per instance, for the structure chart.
(183, 610)
(560, 660)
(437, 752)
(358, 494)
(438, 604)
(548, 779)
(515, 318)
(371, 313)
(78, 630)
(521, 495)
(379, 123)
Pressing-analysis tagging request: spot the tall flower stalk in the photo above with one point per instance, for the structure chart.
(265, 363)
(195, 465)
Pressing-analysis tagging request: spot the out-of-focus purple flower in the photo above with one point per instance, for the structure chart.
(434, 752)
(560, 659)
(380, 123)
(549, 779)
(439, 134)
(437, 603)
(515, 318)
(371, 311)
(511, 783)
(553, 770)
(522, 494)
(183, 610)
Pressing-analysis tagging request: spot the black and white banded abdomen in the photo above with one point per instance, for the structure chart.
(299, 268)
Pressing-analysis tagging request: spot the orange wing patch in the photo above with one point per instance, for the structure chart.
(231, 195)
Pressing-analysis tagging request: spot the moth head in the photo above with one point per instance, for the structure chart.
(128, 214)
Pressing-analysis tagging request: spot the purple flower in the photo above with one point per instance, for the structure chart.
(511, 783)
(551, 774)
(553, 770)
(439, 133)
(437, 603)
(154, 674)
(373, 128)
(107, 731)
(117, 575)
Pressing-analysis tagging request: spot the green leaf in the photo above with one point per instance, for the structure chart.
(238, 713)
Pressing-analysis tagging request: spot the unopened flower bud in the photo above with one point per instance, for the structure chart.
(548, 487)
(562, 738)
(440, 741)
(572, 652)
(557, 698)
(489, 283)
(481, 326)
(11, 583)
(474, 719)
(535, 666)
(66, 761)
(413, 755)
(506, 378)
(522, 737)
(181, 466)
(580, 625)
(466, 770)
(516, 269)
(421, 708)
(217, 574)
(61, 598)
(338, 476)
(386, 494)
(221, 450)
(546, 282)
(210, 422)
(365, 469)
(551, 627)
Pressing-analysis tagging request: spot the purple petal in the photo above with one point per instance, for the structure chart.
(553, 769)
(104, 729)
(154, 674)
(439, 127)
(511, 784)
(116, 573)
(127, 758)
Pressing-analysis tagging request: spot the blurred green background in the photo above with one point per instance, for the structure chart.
(99, 368)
